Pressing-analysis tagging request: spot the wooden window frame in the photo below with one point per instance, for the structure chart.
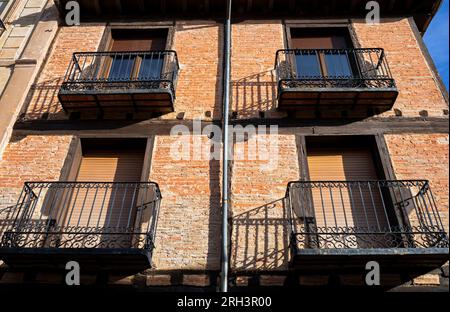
(380, 153)
(107, 42)
(344, 25)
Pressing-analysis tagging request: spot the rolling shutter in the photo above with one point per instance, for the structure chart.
(106, 207)
(358, 207)
(138, 40)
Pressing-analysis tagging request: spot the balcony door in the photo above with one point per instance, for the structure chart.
(350, 202)
(128, 65)
(322, 53)
(107, 193)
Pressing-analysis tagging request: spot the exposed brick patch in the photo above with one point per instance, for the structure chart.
(159, 280)
(242, 281)
(200, 280)
(427, 279)
(270, 280)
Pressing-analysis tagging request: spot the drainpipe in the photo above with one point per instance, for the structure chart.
(226, 112)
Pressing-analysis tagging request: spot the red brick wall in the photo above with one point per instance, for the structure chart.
(199, 90)
(423, 156)
(254, 45)
(31, 158)
(43, 97)
(259, 219)
(188, 235)
(417, 88)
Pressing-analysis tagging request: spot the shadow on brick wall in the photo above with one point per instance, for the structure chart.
(260, 238)
(254, 94)
(42, 101)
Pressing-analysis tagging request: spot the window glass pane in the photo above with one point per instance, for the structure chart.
(338, 65)
(122, 67)
(307, 65)
(151, 67)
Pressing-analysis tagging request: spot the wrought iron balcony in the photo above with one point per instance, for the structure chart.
(331, 81)
(112, 225)
(345, 224)
(113, 82)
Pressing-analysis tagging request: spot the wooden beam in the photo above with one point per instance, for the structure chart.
(292, 126)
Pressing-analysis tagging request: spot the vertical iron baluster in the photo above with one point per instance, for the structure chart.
(74, 202)
(364, 205)
(384, 207)
(82, 206)
(441, 228)
(102, 206)
(111, 205)
(373, 205)
(343, 206)
(332, 205)
(132, 211)
(323, 207)
(121, 206)
(92, 206)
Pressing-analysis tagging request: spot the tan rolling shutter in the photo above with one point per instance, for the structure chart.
(136, 40)
(322, 42)
(353, 207)
(106, 207)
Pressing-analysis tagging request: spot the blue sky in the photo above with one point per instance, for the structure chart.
(436, 39)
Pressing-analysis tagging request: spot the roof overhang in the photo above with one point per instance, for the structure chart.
(421, 10)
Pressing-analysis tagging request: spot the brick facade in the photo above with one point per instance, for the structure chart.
(188, 236)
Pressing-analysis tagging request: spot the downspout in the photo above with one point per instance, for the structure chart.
(226, 111)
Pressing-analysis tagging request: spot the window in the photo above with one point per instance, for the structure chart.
(145, 66)
(322, 52)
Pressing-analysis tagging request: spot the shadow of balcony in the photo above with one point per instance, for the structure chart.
(43, 103)
(254, 94)
(260, 238)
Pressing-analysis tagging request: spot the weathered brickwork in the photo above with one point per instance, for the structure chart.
(30, 158)
(423, 156)
(199, 89)
(189, 220)
(254, 87)
(43, 99)
(260, 226)
(189, 224)
(417, 88)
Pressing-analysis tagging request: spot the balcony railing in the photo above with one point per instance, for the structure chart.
(113, 80)
(365, 214)
(57, 217)
(342, 78)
